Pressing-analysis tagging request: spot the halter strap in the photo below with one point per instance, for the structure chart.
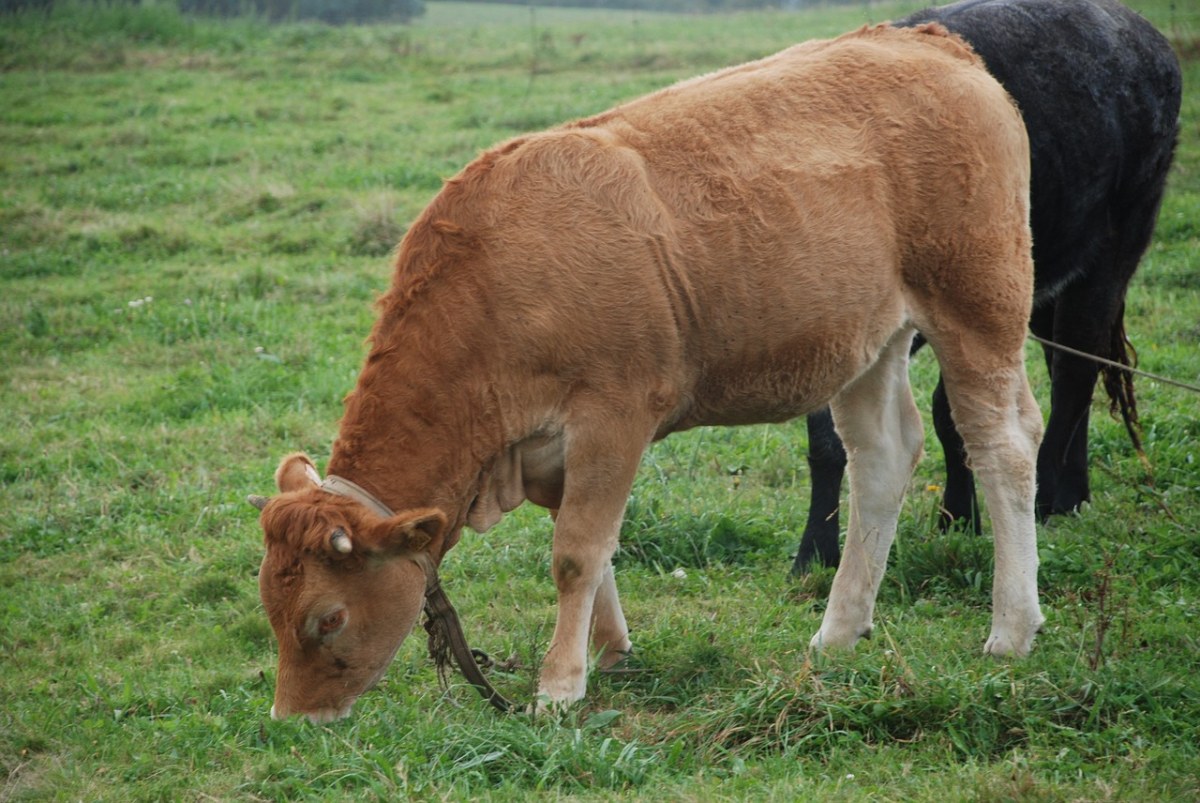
(340, 486)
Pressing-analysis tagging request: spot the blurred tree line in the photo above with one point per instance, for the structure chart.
(337, 12)
(690, 5)
(334, 12)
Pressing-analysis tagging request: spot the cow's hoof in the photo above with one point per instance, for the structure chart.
(838, 638)
(544, 706)
(618, 662)
(557, 695)
(1012, 642)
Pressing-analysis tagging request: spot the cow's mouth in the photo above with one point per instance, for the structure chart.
(321, 716)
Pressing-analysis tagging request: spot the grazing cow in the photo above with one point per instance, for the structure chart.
(741, 247)
(1099, 89)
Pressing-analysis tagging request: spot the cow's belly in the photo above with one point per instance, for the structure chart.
(765, 380)
(767, 393)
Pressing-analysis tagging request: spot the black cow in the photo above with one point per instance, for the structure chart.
(1099, 89)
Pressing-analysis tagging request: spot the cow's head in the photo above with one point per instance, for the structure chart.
(342, 586)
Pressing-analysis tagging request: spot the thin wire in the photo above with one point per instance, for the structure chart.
(1114, 364)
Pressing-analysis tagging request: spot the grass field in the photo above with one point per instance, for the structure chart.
(194, 220)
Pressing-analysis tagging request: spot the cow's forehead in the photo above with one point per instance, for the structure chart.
(302, 521)
(282, 564)
(281, 579)
(298, 568)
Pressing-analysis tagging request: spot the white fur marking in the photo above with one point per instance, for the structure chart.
(880, 425)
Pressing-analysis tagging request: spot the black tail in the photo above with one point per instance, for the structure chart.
(1119, 384)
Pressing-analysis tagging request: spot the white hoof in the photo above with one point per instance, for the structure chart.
(1013, 642)
(545, 707)
(838, 638)
(558, 694)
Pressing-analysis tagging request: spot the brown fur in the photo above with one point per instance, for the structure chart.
(737, 248)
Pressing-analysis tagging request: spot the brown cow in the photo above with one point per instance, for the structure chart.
(742, 247)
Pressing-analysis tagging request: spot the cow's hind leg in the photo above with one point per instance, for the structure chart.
(959, 504)
(1001, 425)
(827, 465)
(881, 429)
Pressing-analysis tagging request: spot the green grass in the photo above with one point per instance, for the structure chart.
(194, 220)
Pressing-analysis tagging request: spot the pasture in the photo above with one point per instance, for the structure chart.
(195, 218)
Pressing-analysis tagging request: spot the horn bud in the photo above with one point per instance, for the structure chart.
(258, 501)
(340, 541)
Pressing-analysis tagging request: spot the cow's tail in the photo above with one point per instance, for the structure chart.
(1118, 383)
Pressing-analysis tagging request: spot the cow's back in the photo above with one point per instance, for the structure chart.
(744, 243)
(1099, 89)
(808, 194)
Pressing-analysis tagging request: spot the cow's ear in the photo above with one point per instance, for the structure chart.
(410, 531)
(295, 473)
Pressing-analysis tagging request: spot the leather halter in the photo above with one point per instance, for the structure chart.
(441, 620)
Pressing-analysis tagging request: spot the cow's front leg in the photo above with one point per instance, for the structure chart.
(599, 475)
(610, 633)
(578, 570)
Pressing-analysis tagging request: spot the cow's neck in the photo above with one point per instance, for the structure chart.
(412, 433)
(423, 424)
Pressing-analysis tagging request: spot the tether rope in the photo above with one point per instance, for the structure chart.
(1114, 364)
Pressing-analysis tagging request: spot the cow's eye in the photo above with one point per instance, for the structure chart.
(332, 622)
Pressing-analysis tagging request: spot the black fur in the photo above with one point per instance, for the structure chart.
(1099, 89)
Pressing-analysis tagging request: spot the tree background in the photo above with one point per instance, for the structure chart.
(339, 12)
